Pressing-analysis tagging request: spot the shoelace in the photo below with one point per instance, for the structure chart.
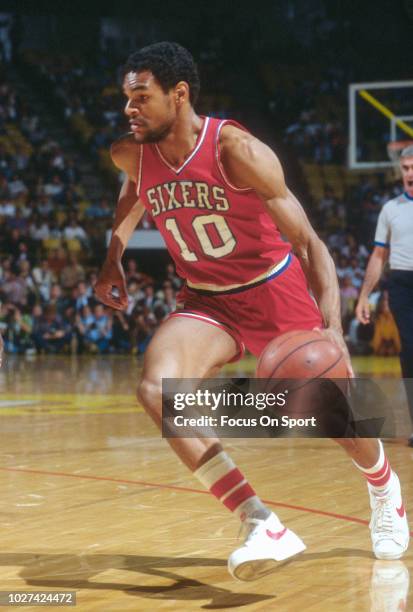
(383, 517)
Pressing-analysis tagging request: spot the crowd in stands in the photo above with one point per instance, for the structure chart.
(47, 230)
(50, 307)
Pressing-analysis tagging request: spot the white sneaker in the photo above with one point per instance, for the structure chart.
(267, 543)
(389, 586)
(388, 525)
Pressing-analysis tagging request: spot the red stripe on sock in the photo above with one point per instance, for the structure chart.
(380, 473)
(226, 483)
(239, 496)
(380, 482)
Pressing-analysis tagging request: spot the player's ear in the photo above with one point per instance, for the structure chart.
(181, 92)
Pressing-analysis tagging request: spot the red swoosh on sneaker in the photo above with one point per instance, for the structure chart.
(400, 511)
(276, 536)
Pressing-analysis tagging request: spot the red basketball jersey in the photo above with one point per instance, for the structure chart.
(219, 236)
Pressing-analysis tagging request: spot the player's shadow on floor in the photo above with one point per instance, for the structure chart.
(75, 572)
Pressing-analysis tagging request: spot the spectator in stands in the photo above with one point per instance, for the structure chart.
(343, 267)
(172, 276)
(132, 271)
(43, 277)
(6, 264)
(74, 231)
(99, 210)
(7, 208)
(39, 229)
(44, 205)
(348, 296)
(135, 295)
(386, 339)
(4, 186)
(149, 298)
(72, 273)
(17, 187)
(92, 278)
(17, 335)
(25, 274)
(99, 334)
(84, 321)
(50, 333)
(166, 298)
(143, 329)
(328, 201)
(14, 289)
(82, 298)
(18, 222)
(12, 242)
(57, 261)
(71, 173)
(21, 157)
(54, 188)
(356, 273)
(57, 300)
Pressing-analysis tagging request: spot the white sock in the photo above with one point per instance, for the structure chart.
(221, 476)
(380, 476)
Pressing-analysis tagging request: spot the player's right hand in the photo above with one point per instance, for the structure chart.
(363, 310)
(110, 287)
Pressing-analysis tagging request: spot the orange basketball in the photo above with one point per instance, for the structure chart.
(301, 354)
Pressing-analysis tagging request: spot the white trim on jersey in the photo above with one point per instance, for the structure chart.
(138, 186)
(192, 155)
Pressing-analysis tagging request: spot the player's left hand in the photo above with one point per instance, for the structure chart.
(335, 335)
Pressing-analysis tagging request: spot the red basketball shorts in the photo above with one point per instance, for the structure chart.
(254, 316)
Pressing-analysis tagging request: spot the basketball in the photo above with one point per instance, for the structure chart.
(301, 354)
(294, 363)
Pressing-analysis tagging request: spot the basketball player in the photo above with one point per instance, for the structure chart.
(393, 240)
(218, 197)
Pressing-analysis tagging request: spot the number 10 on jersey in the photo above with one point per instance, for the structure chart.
(200, 226)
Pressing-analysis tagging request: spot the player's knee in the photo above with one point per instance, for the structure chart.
(149, 394)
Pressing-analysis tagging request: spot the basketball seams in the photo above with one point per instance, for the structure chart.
(297, 348)
(330, 367)
(293, 334)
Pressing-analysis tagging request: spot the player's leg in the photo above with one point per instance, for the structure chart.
(173, 353)
(287, 295)
(388, 525)
(401, 306)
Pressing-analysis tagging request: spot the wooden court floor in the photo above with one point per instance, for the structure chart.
(93, 501)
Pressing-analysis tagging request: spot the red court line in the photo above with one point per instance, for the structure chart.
(145, 483)
(158, 485)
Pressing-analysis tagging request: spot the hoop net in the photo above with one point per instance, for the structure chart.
(396, 147)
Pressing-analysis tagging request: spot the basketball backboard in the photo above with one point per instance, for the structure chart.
(379, 113)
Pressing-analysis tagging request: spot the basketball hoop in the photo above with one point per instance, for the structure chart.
(395, 148)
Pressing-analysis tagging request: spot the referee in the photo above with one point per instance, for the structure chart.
(394, 241)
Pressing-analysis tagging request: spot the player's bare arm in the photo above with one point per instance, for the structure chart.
(374, 271)
(250, 163)
(129, 210)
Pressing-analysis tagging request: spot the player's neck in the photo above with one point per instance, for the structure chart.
(181, 141)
